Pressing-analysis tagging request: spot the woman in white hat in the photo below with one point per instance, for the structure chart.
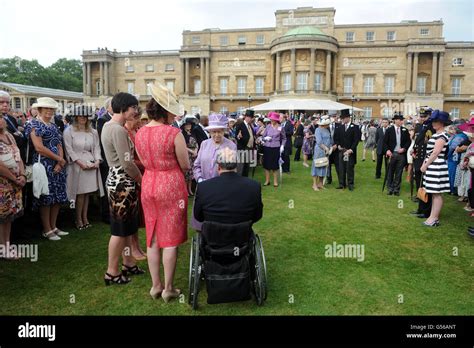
(47, 142)
(322, 149)
(163, 153)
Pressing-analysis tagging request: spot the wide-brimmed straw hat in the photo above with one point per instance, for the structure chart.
(217, 121)
(46, 102)
(166, 98)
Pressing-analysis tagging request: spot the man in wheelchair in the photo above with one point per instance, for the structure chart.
(226, 251)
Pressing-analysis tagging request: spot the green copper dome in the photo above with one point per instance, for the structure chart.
(306, 31)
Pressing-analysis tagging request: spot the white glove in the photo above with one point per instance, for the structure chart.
(282, 148)
(200, 180)
(267, 138)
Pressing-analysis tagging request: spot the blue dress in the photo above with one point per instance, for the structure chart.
(323, 136)
(52, 139)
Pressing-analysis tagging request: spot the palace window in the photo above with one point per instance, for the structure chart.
(224, 40)
(240, 110)
(169, 67)
(367, 111)
(223, 83)
(196, 40)
(18, 103)
(259, 82)
(286, 81)
(97, 87)
(148, 84)
(224, 110)
(370, 36)
(131, 87)
(348, 83)
(389, 84)
(242, 40)
(456, 86)
(241, 86)
(390, 36)
(150, 68)
(130, 68)
(350, 36)
(302, 79)
(318, 82)
(386, 112)
(260, 39)
(454, 112)
(421, 85)
(197, 86)
(170, 85)
(424, 31)
(195, 110)
(369, 85)
(458, 62)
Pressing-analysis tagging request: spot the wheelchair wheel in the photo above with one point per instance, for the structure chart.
(260, 281)
(194, 272)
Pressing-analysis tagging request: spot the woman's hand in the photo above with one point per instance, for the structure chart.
(423, 168)
(57, 168)
(21, 181)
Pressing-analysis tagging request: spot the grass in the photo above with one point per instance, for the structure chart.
(402, 259)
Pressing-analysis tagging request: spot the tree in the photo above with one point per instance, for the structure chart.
(63, 74)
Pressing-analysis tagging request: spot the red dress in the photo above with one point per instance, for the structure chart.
(164, 194)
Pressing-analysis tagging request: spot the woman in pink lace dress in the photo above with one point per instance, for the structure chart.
(163, 153)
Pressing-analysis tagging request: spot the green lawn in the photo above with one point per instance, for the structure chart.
(401, 258)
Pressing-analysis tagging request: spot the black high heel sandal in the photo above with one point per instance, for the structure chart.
(133, 270)
(118, 279)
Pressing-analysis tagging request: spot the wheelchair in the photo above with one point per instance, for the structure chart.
(231, 261)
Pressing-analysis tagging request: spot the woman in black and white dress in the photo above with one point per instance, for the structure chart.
(435, 167)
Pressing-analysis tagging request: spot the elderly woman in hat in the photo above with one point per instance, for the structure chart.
(192, 146)
(435, 167)
(274, 138)
(82, 146)
(47, 143)
(323, 147)
(163, 152)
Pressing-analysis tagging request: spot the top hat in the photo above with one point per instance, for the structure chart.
(398, 116)
(249, 113)
(345, 113)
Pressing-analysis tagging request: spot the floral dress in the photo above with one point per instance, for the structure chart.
(52, 140)
(191, 144)
(11, 204)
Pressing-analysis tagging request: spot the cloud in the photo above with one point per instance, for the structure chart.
(48, 30)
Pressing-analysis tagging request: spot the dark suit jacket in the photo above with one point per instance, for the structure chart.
(390, 139)
(100, 124)
(379, 141)
(228, 198)
(349, 139)
(199, 134)
(242, 142)
(12, 128)
(289, 130)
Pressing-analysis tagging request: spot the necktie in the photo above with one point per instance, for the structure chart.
(250, 143)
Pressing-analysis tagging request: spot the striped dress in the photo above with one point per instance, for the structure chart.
(436, 178)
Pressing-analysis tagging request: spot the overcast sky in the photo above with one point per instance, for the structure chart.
(50, 29)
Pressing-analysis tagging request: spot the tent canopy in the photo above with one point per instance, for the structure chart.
(302, 104)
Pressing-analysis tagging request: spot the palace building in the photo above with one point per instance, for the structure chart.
(376, 67)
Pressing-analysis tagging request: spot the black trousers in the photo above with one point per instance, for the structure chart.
(346, 170)
(104, 201)
(378, 169)
(425, 208)
(286, 162)
(395, 171)
(333, 159)
(416, 167)
(298, 153)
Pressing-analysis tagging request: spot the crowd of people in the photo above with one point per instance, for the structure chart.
(144, 165)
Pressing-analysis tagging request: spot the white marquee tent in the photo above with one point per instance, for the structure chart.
(302, 104)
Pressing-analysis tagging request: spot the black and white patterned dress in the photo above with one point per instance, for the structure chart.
(436, 178)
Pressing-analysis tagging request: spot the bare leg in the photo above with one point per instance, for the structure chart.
(79, 210)
(85, 209)
(116, 245)
(127, 254)
(135, 246)
(275, 177)
(363, 154)
(436, 207)
(305, 159)
(170, 256)
(267, 176)
(373, 155)
(54, 215)
(315, 183)
(321, 181)
(153, 254)
(45, 213)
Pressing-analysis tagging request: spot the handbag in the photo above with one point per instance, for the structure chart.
(321, 162)
(40, 179)
(422, 194)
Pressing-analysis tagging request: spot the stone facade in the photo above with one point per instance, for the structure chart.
(377, 67)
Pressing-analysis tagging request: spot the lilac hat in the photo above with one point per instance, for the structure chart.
(217, 121)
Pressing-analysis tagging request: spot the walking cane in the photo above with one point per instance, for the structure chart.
(387, 164)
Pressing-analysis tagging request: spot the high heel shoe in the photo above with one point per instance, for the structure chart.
(266, 184)
(133, 270)
(432, 224)
(168, 295)
(155, 293)
(118, 279)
